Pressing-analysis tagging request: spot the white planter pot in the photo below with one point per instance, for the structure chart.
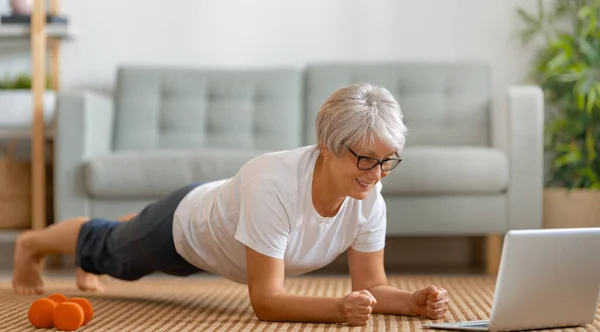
(16, 107)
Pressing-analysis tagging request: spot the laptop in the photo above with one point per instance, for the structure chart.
(548, 278)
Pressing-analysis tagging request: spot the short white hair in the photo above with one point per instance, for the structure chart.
(360, 113)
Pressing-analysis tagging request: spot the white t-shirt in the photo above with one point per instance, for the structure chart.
(267, 206)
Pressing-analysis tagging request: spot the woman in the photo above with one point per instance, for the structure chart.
(283, 214)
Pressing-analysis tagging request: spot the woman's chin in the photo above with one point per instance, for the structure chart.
(360, 194)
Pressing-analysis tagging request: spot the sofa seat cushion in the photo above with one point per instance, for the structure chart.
(448, 170)
(155, 173)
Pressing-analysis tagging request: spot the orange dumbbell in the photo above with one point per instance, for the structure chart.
(58, 298)
(40, 313)
(66, 314)
(86, 306)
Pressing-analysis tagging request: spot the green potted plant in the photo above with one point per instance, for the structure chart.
(16, 101)
(567, 68)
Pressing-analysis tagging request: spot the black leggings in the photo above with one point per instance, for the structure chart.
(131, 250)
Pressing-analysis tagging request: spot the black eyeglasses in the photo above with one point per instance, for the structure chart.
(368, 163)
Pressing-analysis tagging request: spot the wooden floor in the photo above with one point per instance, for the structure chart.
(215, 304)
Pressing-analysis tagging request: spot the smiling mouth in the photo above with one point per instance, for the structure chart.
(363, 184)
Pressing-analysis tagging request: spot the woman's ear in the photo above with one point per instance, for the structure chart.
(324, 151)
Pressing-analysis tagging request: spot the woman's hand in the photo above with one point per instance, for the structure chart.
(430, 302)
(357, 306)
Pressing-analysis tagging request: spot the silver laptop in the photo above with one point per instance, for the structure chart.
(548, 278)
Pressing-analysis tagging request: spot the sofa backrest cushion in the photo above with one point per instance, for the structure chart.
(444, 104)
(166, 107)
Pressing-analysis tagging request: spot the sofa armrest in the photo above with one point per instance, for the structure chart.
(526, 153)
(84, 129)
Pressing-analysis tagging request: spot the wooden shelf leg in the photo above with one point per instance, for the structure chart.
(38, 156)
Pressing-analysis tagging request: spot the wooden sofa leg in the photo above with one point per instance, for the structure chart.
(493, 246)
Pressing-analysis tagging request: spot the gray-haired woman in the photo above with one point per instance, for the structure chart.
(283, 214)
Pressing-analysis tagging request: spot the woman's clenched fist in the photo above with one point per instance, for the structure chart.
(357, 306)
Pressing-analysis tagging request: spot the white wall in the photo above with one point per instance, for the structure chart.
(281, 33)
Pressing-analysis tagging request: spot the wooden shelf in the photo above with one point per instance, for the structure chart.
(22, 31)
(44, 45)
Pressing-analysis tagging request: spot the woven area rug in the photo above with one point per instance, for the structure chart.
(214, 304)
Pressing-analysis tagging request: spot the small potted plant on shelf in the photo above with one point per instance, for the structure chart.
(16, 101)
(567, 68)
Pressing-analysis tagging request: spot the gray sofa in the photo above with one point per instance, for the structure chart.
(165, 127)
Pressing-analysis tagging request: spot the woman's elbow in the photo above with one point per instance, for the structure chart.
(262, 311)
(267, 307)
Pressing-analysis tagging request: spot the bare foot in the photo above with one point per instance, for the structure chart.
(27, 269)
(88, 281)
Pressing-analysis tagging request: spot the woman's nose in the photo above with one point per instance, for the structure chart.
(375, 173)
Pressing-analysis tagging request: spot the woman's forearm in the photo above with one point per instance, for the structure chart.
(298, 308)
(392, 301)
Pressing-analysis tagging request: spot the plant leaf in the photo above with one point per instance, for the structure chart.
(591, 100)
(571, 76)
(562, 147)
(558, 61)
(584, 12)
(588, 50)
(590, 144)
(580, 100)
(568, 158)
